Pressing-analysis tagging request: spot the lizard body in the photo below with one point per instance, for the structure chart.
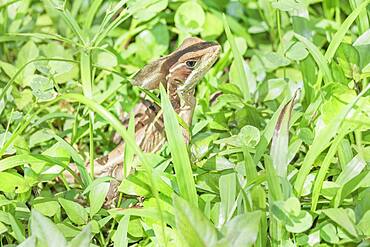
(179, 72)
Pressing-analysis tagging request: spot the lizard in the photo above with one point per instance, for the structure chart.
(179, 72)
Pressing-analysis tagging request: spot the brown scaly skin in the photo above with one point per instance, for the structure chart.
(179, 72)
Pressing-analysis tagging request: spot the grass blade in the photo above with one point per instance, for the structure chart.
(280, 140)
(268, 132)
(227, 187)
(87, 87)
(180, 155)
(277, 230)
(129, 153)
(242, 78)
(318, 57)
(323, 171)
(91, 13)
(73, 25)
(76, 157)
(343, 29)
(120, 239)
(321, 142)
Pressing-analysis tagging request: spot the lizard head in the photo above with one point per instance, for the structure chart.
(186, 66)
(190, 62)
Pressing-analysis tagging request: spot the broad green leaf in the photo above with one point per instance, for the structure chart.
(190, 17)
(364, 224)
(227, 187)
(193, 226)
(29, 242)
(275, 88)
(242, 230)
(135, 184)
(292, 206)
(249, 136)
(10, 70)
(68, 230)
(292, 217)
(61, 71)
(306, 135)
(76, 213)
(42, 88)
(329, 233)
(348, 59)
(12, 182)
(47, 206)
(97, 197)
(120, 238)
(314, 238)
(152, 43)
(341, 218)
(46, 231)
(213, 27)
(58, 159)
(83, 238)
(135, 228)
(235, 9)
(301, 223)
(24, 99)
(290, 5)
(28, 52)
(352, 169)
(364, 39)
(273, 60)
(144, 10)
(106, 59)
(39, 137)
(297, 52)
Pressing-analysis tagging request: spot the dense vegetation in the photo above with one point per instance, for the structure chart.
(280, 135)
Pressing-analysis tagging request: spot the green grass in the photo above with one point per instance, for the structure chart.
(279, 158)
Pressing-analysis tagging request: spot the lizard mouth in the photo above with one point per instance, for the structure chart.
(205, 63)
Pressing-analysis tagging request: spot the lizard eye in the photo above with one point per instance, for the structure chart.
(190, 64)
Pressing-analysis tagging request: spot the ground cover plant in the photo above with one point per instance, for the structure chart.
(279, 154)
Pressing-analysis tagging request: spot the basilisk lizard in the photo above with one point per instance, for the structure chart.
(179, 72)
